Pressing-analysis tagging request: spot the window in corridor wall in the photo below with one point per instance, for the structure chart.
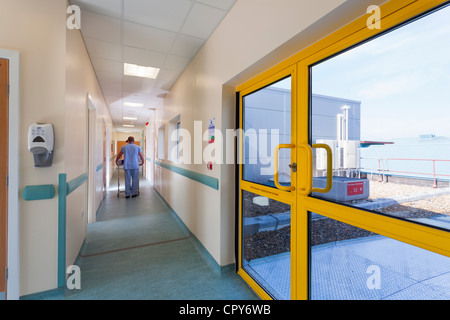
(174, 126)
(162, 142)
(178, 140)
(384, 109)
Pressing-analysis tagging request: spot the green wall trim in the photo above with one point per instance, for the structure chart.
(64, 189)
(99, 167)
(206, 180)
(75, 183)
(41, 192)
(62, 195)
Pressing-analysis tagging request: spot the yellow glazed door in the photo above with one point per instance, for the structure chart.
(352, 200)
(267, 184)
(382, 230)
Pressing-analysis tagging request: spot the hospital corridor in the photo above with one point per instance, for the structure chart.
(232, 157)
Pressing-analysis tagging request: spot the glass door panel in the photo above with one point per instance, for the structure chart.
(350, 263)
(267, 124)
(266, 181)
(383, 109)
(267, 243)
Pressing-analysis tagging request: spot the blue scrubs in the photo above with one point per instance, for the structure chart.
(131, 168)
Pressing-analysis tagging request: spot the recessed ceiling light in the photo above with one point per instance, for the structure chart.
(130, 118)
(133, 104)
(140, 71)
(128, 126)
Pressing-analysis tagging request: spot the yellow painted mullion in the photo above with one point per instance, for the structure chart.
(294, 219)
(300, 243)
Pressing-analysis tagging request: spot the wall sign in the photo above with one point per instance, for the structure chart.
(211, 130)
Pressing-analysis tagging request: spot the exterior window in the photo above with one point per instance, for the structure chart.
(382, 107)
(178, 139)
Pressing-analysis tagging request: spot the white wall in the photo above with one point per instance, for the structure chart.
(81, 85)
(35, 30)
(55, 77)
(150, 150)
(251, 31)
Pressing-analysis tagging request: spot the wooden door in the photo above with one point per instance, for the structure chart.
(120, 144)
(4, 80)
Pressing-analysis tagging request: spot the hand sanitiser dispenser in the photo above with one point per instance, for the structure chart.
(41, 143)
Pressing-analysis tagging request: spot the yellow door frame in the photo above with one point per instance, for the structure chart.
(393, 13)
(285, 196)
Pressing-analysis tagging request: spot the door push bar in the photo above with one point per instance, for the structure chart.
(305, 190)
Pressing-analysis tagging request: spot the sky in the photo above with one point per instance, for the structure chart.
(402, 80)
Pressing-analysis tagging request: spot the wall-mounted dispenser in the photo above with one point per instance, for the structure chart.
(40, 143)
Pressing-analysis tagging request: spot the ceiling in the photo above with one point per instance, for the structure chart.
(165, 34)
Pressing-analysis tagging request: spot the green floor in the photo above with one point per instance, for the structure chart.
(139, 250)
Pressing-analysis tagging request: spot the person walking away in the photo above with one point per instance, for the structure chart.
(131, 153)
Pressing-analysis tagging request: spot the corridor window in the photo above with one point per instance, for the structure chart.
(383, 108)
(174, 139)
(162, 142)
(178, 139)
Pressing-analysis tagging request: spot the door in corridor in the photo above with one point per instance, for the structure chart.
(267, 184)
(330, 155)
(4, 80)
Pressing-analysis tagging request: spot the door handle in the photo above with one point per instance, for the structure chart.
(293, 167)
(276, 178)
(306, 190)
(329, 168)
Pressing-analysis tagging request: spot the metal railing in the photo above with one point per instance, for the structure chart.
(383, 168)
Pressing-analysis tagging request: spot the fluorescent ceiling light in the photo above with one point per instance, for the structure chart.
(128, 126)
(130, 118)
(140, 71)
(133, 104)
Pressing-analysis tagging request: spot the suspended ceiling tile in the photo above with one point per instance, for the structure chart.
(174, 62)
(111, 88)
(186, 46)
(109, 77)
(104, 49)
(114, 102)
(136, 96)
(167, 15)
(133, 84)
(144, 37)
(143, 57)
(220, 4)
(111, 8)
(166, 74)
(162, 87)
(202, 21)
(105, 65)
(145, 32)
(100, 27)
